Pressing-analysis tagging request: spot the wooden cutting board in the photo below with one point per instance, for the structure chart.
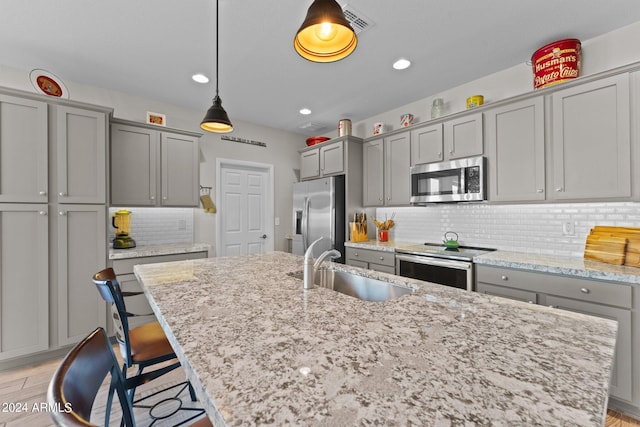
(604, 244)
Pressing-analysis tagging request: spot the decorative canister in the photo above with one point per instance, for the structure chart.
(344, 127)
(556, 62)
(406, 120)
(378, 128)
(475, 101)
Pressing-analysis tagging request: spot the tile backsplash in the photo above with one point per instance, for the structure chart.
(536, 228)
(155, 226)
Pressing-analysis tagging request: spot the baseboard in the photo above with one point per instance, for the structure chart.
(624, 408)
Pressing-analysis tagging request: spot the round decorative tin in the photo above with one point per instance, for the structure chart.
(556, 62)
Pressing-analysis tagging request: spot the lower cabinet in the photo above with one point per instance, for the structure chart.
(597, 298)
(24, 279)
(371, 259)
(81, 252)
(128, 283)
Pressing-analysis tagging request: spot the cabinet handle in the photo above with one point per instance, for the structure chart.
(164, 197)
(380, 199)
(62, 213)
(43, 213)
(504, 278)
(43, 193)
(552, 306)
(585, 290)
(530, 302)
(355, 254)
(440, 155)
(62, 194)
(559, 189)
(450, 151)
(388, 198)
(381, 258)
(153, 197)
(540, 190)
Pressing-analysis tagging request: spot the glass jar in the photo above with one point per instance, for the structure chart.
(437, 108)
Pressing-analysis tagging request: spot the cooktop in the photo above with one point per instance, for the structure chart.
(464, 253)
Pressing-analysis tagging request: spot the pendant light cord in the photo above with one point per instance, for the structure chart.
(217, 43)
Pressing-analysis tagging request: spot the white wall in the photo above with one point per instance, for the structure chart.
(281, 151)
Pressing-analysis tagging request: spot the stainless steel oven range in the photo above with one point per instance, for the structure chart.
(435, 263)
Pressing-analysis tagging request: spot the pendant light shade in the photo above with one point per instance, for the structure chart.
(216, 119)
(325, 34)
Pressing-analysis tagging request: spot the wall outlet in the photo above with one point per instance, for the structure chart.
(568, 228)
(277, 221)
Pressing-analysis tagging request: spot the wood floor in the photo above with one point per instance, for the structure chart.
(27, 387)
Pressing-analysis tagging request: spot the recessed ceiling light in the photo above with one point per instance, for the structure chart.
(305, 111)
(200, 78)
(401, 64)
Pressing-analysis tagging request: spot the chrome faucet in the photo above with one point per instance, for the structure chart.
(310, 267)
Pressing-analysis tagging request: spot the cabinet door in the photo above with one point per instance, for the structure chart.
(623, 367)
(591, 140)
(180, 170)
(505, 292)
(134, 161)
(515, 146)
(372, 173)
(397, 164)
(332, 159)
(24, 279)
(426, 144)
(23, 150)
(82, 243)
(81, 155)
(463, 137)
(310, 164)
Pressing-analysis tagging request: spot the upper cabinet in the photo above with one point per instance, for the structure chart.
(325, 160)
(386, 171)
(23, 150)
(151, 167)
(452, 139)
(591, 144)
(81, 146)
(515, 147)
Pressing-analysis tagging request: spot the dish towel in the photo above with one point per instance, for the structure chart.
(208, 204)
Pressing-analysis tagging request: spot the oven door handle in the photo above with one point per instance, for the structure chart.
(440, 262)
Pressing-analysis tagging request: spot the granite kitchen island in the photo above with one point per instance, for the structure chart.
(260, 350)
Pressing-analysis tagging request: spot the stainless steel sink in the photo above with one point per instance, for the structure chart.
(364, 288)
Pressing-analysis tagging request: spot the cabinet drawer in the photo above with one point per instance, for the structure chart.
(511, 293)
(382, 268)
(357, 263)
(125, 266)
(372, 256)
(596, 291)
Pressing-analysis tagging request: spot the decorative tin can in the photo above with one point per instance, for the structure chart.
(378, 128)
(556, 62)
(344, 127)
(475, 101)
(406, 120)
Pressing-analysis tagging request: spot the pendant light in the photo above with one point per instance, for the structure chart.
(325, 34)
(216, 119)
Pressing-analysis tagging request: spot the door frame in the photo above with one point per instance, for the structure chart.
(269, 199)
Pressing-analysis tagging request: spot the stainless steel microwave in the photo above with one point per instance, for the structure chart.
(461, 180)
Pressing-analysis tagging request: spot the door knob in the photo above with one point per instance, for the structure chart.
(264, 236)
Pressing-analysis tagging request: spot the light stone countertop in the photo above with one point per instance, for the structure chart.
(157, 250)
(260, 350)
(554, 264)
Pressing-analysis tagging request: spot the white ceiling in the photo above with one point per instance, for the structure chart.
(151, 49)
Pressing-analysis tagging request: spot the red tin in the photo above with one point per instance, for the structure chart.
(556, 62)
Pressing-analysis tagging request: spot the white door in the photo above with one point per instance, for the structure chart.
(245, 206)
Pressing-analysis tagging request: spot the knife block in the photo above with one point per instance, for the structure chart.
(358, 231)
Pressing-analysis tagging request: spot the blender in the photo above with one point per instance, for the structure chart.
(121, 221)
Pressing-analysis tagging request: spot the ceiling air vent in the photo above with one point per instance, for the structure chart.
(358, 21)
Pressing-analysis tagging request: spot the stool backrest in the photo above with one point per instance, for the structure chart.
(75, 383)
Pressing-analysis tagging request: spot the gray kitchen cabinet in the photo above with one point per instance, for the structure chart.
(81, 252)
(23, 150)
(591, 145)
(138, 304)
(610, 300)
(386, 171)
(151, 167)
(24, 282)
(327, 159)
(426, 144)
(463, 137)
(515, 149)
(81, 144)
(371, 259)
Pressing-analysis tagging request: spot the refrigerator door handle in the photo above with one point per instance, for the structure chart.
(305, 223)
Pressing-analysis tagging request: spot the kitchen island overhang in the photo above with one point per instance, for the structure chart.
(261, 350)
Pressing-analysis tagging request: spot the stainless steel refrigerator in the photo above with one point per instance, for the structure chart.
(319, 211)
